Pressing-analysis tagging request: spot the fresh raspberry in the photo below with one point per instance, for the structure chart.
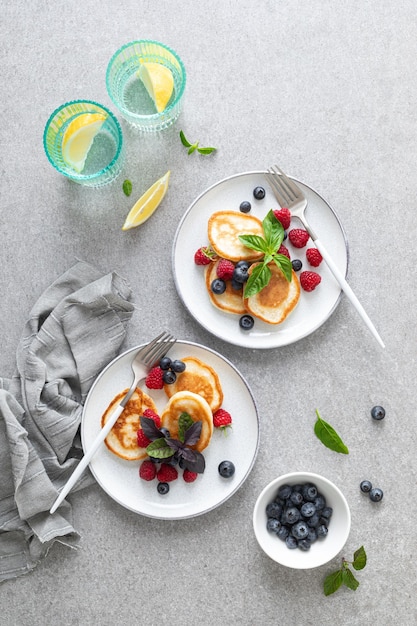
(153, 416)
(222, 419)
(225, 269)
(147, 470)
(284, 216)
(313, 257)
(189, 476)
(283, 250)
(166, 473)
(298, 237)
(309, 280)
(204, 256)
(143, 441)
(154, 378)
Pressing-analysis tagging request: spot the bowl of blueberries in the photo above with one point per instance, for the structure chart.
(301, 520)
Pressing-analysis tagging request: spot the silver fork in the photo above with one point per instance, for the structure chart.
(290, 195)
(145, 358)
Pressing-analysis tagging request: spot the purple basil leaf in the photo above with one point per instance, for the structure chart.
(149, 428)
(174, 444)
(198, 464)
(188, 454)
(192, 434)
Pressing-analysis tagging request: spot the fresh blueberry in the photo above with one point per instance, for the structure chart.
(291, 542)
(246, 322)
(378, 413)
(327, 512)
(296, 498)
(164, 432)
(296, 265)
(240, 275)
(163, 488)
(218, 286)
(165, 363)
(169, 377)
(226, 469)
(236, 285)
(274, 509)
(376, 494)
(322, 531)
(366, 486)
(309, 492)
(259, 193)
(291, 515)
(154, 459)
(312, 535)
(284, 492)
(304, 544)
(319, 502)
(313, 521)
(242, 263)
(273, 525)
(283, 533)
(300, 530)
(308, 509)
(245, 206)
(178, 366)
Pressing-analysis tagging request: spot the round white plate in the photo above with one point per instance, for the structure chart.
(313, 309)
(120, 479)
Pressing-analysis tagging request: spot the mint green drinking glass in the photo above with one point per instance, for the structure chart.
(128, 93)
(83, 141)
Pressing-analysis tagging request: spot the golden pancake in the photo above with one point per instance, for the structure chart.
(224, 228)
(275, 302)
(198, 378)
(230, 300)
(122, 438)
(197, 408)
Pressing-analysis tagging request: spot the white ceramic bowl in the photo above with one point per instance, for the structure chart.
(322, 550)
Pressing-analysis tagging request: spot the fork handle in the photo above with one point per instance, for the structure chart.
(88, 456)
(347, 289)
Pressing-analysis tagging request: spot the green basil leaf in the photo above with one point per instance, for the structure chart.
(127, 187)
(359, 557)
(258, 279)
(349, 580)
(274, 232)
(184, 140)
(254, 242)
(284, 264)
(206, 150)
(332, 582)
(328, 436)
(159, 449)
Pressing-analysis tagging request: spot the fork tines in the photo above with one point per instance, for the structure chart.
(286, 190)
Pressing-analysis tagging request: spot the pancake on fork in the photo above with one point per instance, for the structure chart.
(230, 300)
(122, 439)
(197, 408)
(224, 228)
(198, 378)
(275, 301)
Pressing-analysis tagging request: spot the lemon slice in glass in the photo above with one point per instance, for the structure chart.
(159, 83)
(78, 138)
(148, 203)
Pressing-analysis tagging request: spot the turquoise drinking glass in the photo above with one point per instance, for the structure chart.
(129, 94)
(83, 141)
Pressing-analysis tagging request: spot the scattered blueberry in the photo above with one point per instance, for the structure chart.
(378, 412)
(236, 285)
(178, 366)
(296, 265)
(259, 193)
(163, 488)
(245, 206)
(376, 494)
(240, 274)
(226, 469)
(246, 322)
(218, 286)
(366, 486)
(169, 377)
(165, 363)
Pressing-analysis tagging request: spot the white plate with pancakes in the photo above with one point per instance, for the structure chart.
(313, 308)
(120, 478)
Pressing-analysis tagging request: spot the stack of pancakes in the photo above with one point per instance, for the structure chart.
(197, 392)
(274, 302)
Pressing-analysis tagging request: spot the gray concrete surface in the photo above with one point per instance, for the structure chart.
(329, 91)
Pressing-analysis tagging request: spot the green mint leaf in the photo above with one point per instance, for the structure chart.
(127, 187)
(184, 423)
(159, 449)
(332, 582)
(284, 264)
(274, 232)
(255, 242)
(184, 141)
(206, 150)
(349, 580)
(257, 280)
(359, 557)
(328, 436)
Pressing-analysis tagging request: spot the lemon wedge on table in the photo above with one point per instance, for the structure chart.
(148, 203)
(159, 83)
(78, 138)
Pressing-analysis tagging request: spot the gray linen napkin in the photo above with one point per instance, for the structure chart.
(74, 330)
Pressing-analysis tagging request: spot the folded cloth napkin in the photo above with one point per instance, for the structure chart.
(74, 330)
